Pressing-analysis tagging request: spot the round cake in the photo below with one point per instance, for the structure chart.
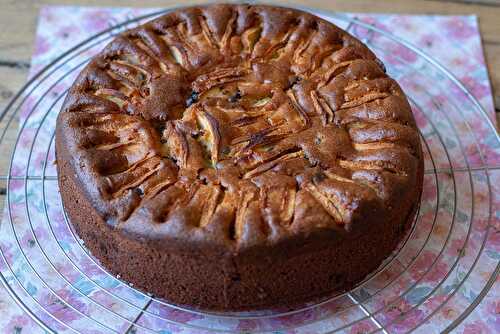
(237, 157)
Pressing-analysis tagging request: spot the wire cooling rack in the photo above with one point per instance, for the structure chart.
(50, 274)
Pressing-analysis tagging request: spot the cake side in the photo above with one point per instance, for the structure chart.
(288, 275)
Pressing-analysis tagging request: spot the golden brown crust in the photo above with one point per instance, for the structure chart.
(235, 127)
(281, 104)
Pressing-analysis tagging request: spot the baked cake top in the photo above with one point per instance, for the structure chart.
(240, 125)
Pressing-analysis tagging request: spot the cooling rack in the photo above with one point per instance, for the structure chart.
(49, 273)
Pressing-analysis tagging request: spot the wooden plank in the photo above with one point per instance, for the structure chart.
(17, 33)
(2, 198)
(2, 205)
(12, 78)
(492, 52)
(18, 22)
(494, 3)
(15, 78)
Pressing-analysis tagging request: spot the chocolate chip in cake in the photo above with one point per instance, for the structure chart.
(293, 81)
(318, 177)
(193, 98)
(139, 191)
(235, 97)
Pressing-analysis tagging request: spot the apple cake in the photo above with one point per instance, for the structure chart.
(238, 157)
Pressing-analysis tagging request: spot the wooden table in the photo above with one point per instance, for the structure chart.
(18, 23)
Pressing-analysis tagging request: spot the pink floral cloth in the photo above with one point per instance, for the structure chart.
(459, 210)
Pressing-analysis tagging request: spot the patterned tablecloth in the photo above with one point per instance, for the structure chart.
(453, 40)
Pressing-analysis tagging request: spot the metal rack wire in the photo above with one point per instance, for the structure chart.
(50, 274)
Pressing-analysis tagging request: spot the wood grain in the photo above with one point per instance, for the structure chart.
(18, 25)
(18, 22)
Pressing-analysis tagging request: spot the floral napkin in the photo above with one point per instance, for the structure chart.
(452, 40)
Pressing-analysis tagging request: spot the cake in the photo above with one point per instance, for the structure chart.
(238, 157)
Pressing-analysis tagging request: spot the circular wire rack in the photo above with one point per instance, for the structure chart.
(48, 271)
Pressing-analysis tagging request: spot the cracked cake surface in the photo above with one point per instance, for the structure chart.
(225, 138)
